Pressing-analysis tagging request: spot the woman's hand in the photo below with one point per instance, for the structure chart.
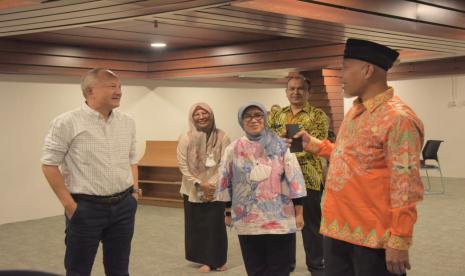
(299, 222)
(204, 187)
(211, 189)
(208, 190)
(299, 217)
(228, 220)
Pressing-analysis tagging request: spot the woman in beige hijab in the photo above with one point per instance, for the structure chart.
(199, 154)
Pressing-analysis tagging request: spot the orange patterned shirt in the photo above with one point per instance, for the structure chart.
(373, 182)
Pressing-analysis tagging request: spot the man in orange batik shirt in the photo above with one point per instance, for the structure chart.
(373, 182)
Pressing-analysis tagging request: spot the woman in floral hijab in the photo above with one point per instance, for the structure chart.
(262, 182)
(199, 154)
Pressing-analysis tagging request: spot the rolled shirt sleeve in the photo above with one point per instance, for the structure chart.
(57, 142)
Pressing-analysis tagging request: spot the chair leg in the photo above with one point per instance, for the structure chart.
(429, 190)
(427, 179)
(443, 187)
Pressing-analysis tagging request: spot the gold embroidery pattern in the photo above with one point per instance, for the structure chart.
(357, 236)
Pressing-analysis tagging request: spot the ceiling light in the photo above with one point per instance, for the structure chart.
(158, 45)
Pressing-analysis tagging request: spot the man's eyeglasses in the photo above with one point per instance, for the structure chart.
(250, 117)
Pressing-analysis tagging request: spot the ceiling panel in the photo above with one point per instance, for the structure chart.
(269, 23)
(65, 15)
(185, 31)
(139, 34)
(221, 37)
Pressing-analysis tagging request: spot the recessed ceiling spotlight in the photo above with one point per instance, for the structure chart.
(158, 45)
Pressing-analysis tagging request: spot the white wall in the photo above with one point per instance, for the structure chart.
(429, 99)
(29, 103)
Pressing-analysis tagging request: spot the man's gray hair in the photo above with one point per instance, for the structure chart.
(91, 77)
(306, 81)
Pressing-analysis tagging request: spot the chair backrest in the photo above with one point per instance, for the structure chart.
(430, 150)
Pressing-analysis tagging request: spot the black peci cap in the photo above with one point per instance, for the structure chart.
(371, 52)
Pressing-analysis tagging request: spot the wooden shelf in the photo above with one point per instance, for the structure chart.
(159, 154)
(162, 201)
(162, 182)
(159, 175)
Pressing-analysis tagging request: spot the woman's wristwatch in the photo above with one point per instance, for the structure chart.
(227, 213)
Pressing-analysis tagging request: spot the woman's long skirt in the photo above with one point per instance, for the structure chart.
(206, 240)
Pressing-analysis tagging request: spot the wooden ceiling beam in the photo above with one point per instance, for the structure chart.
(277, 54)
(76, 62)
(273, 82)
(409, 10)
(268, 23)
(60, 71)
(429, 24)
(204, 62)
(265, 55)
(19, 57)
(303, 64)
(424, 69)
(448, 4)
(246, 48)
(16, 4)
(24, 47)
(84, 14)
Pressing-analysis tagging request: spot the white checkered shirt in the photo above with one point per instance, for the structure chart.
(94, 155)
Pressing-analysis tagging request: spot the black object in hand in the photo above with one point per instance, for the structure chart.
(291, 130)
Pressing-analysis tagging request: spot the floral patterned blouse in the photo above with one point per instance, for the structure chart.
(265, 206)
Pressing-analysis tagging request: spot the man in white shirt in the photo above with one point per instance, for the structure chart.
(89, 161)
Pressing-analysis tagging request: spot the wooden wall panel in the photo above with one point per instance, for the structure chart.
(326, 93)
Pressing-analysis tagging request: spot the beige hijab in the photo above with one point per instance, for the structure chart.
(199, 148)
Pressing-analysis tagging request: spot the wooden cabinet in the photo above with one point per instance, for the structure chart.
(159, 175)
